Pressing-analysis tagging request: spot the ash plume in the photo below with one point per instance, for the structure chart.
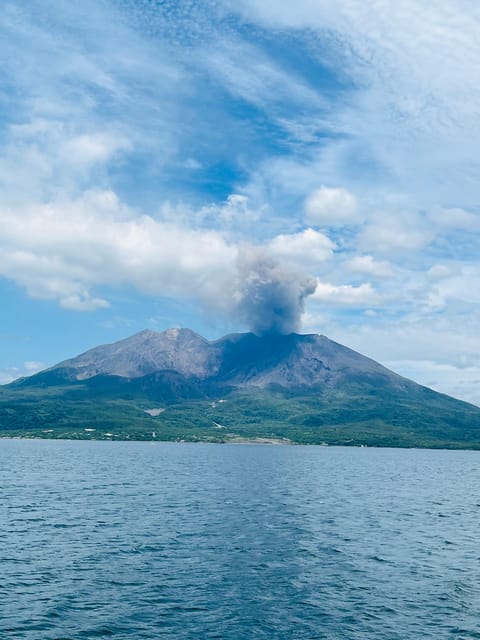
(270, 296)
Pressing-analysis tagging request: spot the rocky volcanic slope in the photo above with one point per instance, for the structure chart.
(238, 360)
(176, 385)
(146, 352)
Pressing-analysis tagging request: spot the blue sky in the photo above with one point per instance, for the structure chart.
(147, 146)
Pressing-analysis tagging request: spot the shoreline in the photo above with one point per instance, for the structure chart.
(258, 441)
(237, 440)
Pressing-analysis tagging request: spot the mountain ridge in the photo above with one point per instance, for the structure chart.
(176, 385)
(240, 359)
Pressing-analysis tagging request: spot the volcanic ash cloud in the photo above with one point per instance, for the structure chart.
(269, 296)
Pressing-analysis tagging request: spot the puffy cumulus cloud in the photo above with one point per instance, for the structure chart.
(363, 295)
(309, 248)
(62, 250)
(67, 249)
(333, 207)
(369, 265)
(422, 288)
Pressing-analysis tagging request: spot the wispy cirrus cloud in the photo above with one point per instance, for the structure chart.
(413, 118)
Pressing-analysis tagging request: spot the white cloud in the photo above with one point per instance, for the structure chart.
(61, 250)
(390, 337)
(438, 272)
(455, 218)
(28, 368)
(32, 366)
(9, 375)
(346, 294)
(395, 232)
(460, 382)
(308, 248)
(412, 120)
(439, 351)
(369, 265)
(331, 207)
(462, 285)
(235, 212)
(84, 302)
(91, 149)
(67, 249)
(48, 158)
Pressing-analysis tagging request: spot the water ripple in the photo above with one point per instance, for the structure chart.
(141, 541)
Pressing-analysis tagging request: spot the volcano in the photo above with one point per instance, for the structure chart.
(176, 385)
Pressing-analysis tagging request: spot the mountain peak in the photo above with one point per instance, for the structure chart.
(236, 360)
(143, 353)
(172, 333)
(145, 333)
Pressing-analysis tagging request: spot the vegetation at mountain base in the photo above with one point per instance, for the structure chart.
(111, 408)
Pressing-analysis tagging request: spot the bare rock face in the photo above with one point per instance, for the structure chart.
(237, 360)
(295, 360)
(146, 352)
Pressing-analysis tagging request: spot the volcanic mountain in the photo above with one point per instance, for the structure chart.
(238, 360)
(178, 385)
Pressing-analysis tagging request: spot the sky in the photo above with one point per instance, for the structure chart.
(154, 152)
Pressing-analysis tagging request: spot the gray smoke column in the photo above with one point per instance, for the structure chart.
(269, 296)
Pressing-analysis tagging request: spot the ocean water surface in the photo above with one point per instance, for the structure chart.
(159, 540)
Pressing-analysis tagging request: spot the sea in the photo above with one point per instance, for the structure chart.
(141, 540)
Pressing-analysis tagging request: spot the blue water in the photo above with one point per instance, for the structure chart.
(157, 540)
